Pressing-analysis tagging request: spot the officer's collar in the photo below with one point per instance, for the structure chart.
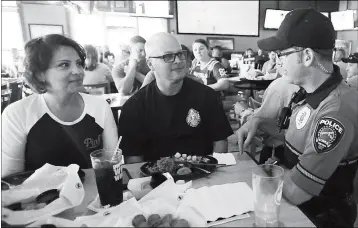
(315, 98)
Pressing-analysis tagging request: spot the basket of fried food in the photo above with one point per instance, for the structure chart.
(154, 220)
(180, 166)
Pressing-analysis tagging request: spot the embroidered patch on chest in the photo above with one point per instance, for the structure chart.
(193, 118)
(328, 134)
(302, 117)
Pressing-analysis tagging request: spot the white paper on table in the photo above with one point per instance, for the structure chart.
(45, 178)
(220, 201)
(225, 158)
(123, 214)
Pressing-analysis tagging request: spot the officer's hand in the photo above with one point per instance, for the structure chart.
(246, 133)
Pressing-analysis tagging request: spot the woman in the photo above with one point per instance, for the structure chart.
(60, 126)
(270, 65)
(95, 72)
(207, 68)
(150, 76)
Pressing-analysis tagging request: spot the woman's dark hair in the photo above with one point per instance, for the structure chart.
(92, 56)
(38, 55)
(203, 42)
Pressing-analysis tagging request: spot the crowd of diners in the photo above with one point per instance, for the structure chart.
(177, 104)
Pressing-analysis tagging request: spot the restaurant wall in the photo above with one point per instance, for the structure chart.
(351, 34)
(241, 43)
(42, 14)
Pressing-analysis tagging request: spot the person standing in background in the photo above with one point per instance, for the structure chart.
(352, 70)
(338, 54)
(129, 74)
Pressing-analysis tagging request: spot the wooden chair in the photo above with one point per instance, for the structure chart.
(98, 89)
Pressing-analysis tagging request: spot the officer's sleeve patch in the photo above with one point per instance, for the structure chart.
(328, 134)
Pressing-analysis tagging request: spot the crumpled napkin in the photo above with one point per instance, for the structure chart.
(45, 178)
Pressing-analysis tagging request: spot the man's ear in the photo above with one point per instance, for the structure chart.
(150, 64)
(308, 57)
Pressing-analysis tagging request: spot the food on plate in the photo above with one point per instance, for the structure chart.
(177, 155)
(138, 219)
(184, 155)
(184, 171)
(193, 158)
(163, 165)
(155, 220)
(188, 158)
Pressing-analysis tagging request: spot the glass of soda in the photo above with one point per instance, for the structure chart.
(267, 183)
(107, 165)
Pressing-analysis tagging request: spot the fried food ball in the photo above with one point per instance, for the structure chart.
(143, 224)
(154, 220)
(167, 219)
(180, 223)
(138, 219)
(48, 226)
(164, 225)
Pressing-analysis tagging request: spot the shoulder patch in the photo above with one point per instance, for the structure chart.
(328, 134)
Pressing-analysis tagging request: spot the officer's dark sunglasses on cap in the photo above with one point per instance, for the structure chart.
(169, 58)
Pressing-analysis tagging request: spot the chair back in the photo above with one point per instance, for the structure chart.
(16, 86)
(5, 98)
(98, 89)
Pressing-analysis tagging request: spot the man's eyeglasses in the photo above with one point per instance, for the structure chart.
(280, 54)
(169, 58)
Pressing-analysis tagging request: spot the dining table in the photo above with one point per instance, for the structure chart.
(290, 215)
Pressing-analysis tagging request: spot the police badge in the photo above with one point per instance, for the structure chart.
(193, 118)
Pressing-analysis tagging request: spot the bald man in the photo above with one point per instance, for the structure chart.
(173, 113)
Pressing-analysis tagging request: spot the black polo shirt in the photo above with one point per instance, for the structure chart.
(155, 125)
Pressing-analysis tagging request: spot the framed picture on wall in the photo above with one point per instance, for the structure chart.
(37, 30)
(224, 43)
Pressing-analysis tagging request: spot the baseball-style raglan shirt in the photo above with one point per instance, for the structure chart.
(32, 135)
(322, 139)
(210, 73)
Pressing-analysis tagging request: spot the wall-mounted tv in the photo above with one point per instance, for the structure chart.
(343, 20)
(274, 18)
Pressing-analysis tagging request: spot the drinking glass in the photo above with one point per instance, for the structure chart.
(107, 165)
(267, 183)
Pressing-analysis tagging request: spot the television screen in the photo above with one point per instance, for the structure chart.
(274, 18)
(343, 20)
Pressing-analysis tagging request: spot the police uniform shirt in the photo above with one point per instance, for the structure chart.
(155, 125)
(32, 134)
(353, 82)
(210, 73)
(322, 136)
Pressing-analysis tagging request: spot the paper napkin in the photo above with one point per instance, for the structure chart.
(48, 177)
(225, 158)
(220, 201)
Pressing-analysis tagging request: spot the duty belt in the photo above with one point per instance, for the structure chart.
(348, 162)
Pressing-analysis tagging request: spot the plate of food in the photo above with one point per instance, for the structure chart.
(181, 166)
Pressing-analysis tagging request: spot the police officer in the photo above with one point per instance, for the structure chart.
(321, 142)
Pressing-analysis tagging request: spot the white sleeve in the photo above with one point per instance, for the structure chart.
(13, 141)
(110, 133)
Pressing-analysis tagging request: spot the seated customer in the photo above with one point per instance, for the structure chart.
(352, 70)
(260, 59)
(129, 74)
(207, 68)
(151, 76)
(95, 72)
(270, 65)
(173, 113)
(217, 53)
(58, 125)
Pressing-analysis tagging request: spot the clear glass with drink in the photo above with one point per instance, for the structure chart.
(267, 183)
(107, 165)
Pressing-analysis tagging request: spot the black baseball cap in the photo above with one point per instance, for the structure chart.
(306, 28)
(352, 58)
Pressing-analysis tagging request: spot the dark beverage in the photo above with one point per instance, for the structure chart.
(107, 166)
(109, 185)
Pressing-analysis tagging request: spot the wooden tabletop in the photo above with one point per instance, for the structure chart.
(290, 215)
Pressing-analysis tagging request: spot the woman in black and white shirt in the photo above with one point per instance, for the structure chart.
(59, 124)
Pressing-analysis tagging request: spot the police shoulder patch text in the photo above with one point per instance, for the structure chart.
(328, 134)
